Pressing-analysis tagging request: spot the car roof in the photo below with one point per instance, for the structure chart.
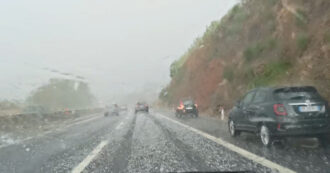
(281, 88)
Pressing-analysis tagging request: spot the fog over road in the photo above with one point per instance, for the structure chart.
(155, 142)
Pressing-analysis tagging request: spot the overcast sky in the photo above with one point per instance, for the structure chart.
(119, 46)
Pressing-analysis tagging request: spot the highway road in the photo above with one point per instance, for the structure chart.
(155, 142)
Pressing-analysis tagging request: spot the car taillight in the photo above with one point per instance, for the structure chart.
(181, 106)
(196, 105)
(279, 109)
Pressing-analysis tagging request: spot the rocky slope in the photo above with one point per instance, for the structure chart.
(258, 43)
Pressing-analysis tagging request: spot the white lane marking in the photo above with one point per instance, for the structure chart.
(258, 159)
(119, 125)
(89, 158)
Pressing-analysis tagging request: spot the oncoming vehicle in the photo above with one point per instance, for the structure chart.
(187, 107)
(112, 110)
(141, 107)
(273, 113)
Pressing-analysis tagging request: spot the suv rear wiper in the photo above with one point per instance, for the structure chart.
(297, 97)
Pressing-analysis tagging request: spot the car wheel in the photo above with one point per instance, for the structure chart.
(196, 115)
(265, 136)
(323, 141)
(192, 115)
(232, 129)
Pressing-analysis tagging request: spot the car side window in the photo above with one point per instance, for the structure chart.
(248, 98)
(260, 97)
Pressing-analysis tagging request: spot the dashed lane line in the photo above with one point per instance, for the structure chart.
(258, 159)
(93, 154)
(90, 158)
(120, 125)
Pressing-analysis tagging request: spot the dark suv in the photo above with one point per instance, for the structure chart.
(280, 112)
(187, 107)
(141, 107)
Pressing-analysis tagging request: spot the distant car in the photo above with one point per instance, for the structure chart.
(141, 107)
(187, 107)
(112, 110)
(273, 113)
(123, 108)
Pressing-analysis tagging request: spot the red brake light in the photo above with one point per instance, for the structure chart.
(279, 109)
(181, 106)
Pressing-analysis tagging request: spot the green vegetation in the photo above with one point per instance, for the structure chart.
(236, 16)
(303, 41)
(62, 93)
(272, 2)
(211, 30)
(327, 37)
(254, 51)
(271, 73)
(301, 18)
(228, 73)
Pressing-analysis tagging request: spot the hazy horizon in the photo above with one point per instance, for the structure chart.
(119, 47)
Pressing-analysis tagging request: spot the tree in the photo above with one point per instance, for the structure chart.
(62, 93)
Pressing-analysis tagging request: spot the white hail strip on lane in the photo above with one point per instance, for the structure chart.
(258, 159)
(89, 158)
(119, 125)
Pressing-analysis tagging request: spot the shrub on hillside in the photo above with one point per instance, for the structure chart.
(228, 73)
(272, 72)
(303, 41)
(327, 37)
(254, 51)
(301, 18)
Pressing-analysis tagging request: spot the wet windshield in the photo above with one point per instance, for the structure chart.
(188, 102)
(116, 86)
(297, 94)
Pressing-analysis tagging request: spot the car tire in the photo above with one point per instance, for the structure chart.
(232, 129)
(323, 140)
(265, 136)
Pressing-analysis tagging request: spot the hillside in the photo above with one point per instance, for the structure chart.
(258, 43)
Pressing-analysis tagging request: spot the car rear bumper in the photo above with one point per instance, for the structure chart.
(302, 131)
(190, 111)
(141, 110)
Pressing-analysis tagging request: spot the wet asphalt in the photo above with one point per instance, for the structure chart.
(150, 143)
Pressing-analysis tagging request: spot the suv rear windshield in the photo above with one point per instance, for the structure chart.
(188, 102)
(296, 93)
